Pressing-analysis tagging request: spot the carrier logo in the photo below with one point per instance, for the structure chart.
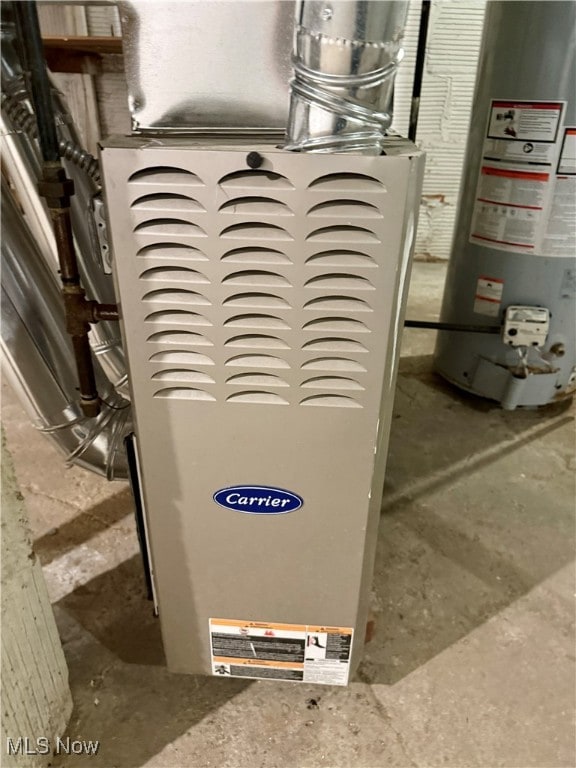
(258, 499)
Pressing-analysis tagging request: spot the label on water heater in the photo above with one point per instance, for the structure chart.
(516, 180)
(488, 297)
(295, 652)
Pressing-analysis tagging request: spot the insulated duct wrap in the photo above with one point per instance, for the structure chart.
(345, 59)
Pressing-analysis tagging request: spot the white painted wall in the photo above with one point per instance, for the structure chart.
(454, 36)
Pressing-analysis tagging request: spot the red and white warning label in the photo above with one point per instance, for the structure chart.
(509, 208)
(488, 298)
(525, 120)
(567, 162)
(517, 175)
(560, 235)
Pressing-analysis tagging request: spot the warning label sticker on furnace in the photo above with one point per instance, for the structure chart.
(297, 652)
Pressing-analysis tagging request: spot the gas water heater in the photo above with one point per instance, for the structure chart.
(513, 262)
(261, 282)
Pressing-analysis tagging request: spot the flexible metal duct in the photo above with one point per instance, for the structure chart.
(37, 356)
(21, 164)
(21, 161)
(38, 360)
(345, 58)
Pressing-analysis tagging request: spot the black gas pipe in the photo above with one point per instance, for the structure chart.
(57, 189)
(437, 326)
(419, 69)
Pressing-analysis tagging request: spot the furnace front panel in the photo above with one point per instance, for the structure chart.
(261, 311)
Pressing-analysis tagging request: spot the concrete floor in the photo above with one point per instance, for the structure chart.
(472, 663)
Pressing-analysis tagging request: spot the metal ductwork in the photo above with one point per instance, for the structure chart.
(345, 58)
(37, 354)
(38, 361)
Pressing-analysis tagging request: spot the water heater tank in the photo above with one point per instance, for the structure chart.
(513, 260)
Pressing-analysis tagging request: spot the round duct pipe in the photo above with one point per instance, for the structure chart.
(345, 58)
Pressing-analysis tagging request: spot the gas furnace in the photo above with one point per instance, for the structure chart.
(261, 296)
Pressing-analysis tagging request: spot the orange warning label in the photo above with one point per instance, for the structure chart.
(256, 625)
(300, 652)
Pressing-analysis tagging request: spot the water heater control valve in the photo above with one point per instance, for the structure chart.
(526, 326)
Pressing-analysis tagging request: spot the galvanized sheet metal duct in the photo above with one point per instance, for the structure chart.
(345, 58)
(199, 65)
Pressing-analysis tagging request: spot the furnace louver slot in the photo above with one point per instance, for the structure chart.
(331, 401)
(341, 258)
(334, 344)
(256, 341)
(257, 361)
(183, 375)
(345, 209)
(347, 182)
(256, 301)
(256, 380)
(336, 324)
(179, 337)
(177, 317)
(160, 201)
(174, 274)
(176, 296)
(257, 321)
(338, 303)
(257, 278)
(255, 206)
(171, 251)
(254, 179)
(166, 176)
(256, 231)
(329, 364)
(257, 398)
(169, 227)
(185, 393)
(182, 356)
(256, 255)
(343, 233)
(332, 382)
(340, 282)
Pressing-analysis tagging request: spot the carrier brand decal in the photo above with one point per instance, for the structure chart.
(258, 499)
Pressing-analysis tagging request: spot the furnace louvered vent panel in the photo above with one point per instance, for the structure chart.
(338, 290)
(258, 286)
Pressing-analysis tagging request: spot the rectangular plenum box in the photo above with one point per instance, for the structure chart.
(211, 77)
(261, 313)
